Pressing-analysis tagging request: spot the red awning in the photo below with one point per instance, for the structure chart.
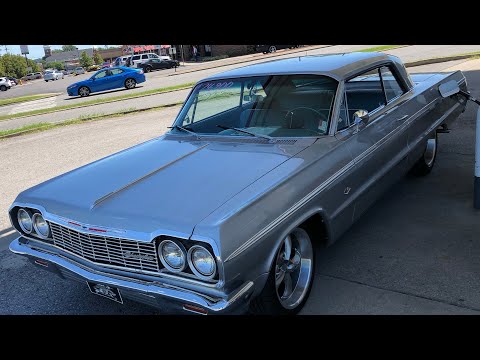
(138, 49)
(165, 46)
(149, 47)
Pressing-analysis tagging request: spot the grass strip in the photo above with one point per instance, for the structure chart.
(381, 48)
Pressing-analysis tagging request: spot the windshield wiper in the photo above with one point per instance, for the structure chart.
(246, 132)
(178, 127)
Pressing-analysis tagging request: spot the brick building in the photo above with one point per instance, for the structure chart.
(213, 50)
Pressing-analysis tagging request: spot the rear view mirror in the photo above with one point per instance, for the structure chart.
(449, 88)
(360, 116)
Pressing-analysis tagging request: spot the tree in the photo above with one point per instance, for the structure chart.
(68, 47)
(2, 69)
(13, 65)
(85, 60)
(97, 58)
(54, 65)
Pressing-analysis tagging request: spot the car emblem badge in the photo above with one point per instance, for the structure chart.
(347, 190)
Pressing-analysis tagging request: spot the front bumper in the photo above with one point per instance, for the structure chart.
(154, 294)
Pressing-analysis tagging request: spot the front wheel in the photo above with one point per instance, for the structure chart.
(425, 164)
(290, 279)
(3, 88)
(130, 83)
(148, 69)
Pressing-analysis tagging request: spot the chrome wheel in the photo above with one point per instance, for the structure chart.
(293, 269)
(272, 49)
(130, 83)
(83, 91)
(430, 151)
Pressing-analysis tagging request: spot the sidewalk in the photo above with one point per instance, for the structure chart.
(147, 102)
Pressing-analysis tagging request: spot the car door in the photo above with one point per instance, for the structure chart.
(380, 145)
(117, 77)
(101, 81)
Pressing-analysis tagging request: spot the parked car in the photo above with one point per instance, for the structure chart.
(52, 75)
(13, 81)
(93, 68)
(121, 61)
(106, 65)
(141, 58)
(30, 76)
(79, 70)
(5, 84)
(107, 79)
(263, 164)
(37, 75)
(272, 48)
(155, 64)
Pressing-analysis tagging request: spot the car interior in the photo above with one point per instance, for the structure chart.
(278, 106)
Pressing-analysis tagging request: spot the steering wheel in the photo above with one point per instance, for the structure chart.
(318, 117)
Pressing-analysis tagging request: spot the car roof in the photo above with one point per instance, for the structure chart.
(337, 66)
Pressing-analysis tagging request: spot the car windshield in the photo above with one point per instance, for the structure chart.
(276, 106)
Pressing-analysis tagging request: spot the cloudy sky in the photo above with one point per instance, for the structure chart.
(36, 51)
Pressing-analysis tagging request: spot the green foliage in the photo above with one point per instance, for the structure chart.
(68, 47)
(85, 60)
(15, 65)
(97, 58)
(54, 65)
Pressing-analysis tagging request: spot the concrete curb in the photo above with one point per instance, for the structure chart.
(439, 60)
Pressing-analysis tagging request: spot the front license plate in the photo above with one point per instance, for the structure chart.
(107, 291)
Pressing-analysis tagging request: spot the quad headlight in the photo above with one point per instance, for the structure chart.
(172, 255)
(40, 225)
(24, 221)
(201, 261)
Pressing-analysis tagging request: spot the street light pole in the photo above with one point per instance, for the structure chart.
(183, 58)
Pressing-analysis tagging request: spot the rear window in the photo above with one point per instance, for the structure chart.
(136, 57)
(145, 56)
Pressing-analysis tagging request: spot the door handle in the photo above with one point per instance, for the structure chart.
(404, 117)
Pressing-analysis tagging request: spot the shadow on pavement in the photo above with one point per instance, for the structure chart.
(102, 93)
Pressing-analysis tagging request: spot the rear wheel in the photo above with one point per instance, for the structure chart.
(130, 83)
(425, 164)
(3, 88)
(148, 69)
(290, 279)
(84, 91)
(272, 49)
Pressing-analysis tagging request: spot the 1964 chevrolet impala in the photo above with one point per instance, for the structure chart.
(262, 164)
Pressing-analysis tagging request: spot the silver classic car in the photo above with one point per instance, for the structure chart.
(264, 163)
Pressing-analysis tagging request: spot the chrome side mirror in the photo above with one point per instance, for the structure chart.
(360, 117)
(449, 88)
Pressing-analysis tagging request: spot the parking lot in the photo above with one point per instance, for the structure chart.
(416, 251)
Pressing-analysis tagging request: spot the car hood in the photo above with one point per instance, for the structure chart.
(166, 184)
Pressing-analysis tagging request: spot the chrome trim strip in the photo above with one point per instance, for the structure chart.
(153, 289)
(107, 196)
(290, 211)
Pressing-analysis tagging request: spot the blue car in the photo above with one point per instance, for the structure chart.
(108, 79)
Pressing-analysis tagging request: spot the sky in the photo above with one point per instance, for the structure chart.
(36, 51)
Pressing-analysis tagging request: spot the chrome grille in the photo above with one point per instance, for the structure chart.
(105, 250)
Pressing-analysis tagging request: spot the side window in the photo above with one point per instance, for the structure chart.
(253, 92)
(390, 83)
(144, 56)
(136, 57)
(101, 74)
(365, 92)
(116, 71)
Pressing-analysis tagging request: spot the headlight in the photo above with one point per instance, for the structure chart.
(201, 262)
(24, 220)
(40, 226)
(172, 255)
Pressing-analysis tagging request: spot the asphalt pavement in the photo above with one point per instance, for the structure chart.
(416, 251)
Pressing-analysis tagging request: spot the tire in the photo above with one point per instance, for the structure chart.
(425, 164)
(282, 299)
(148, 69)
(272, 48)
(3, 88)
(46, 80)
(130, 83)
(83, 91)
